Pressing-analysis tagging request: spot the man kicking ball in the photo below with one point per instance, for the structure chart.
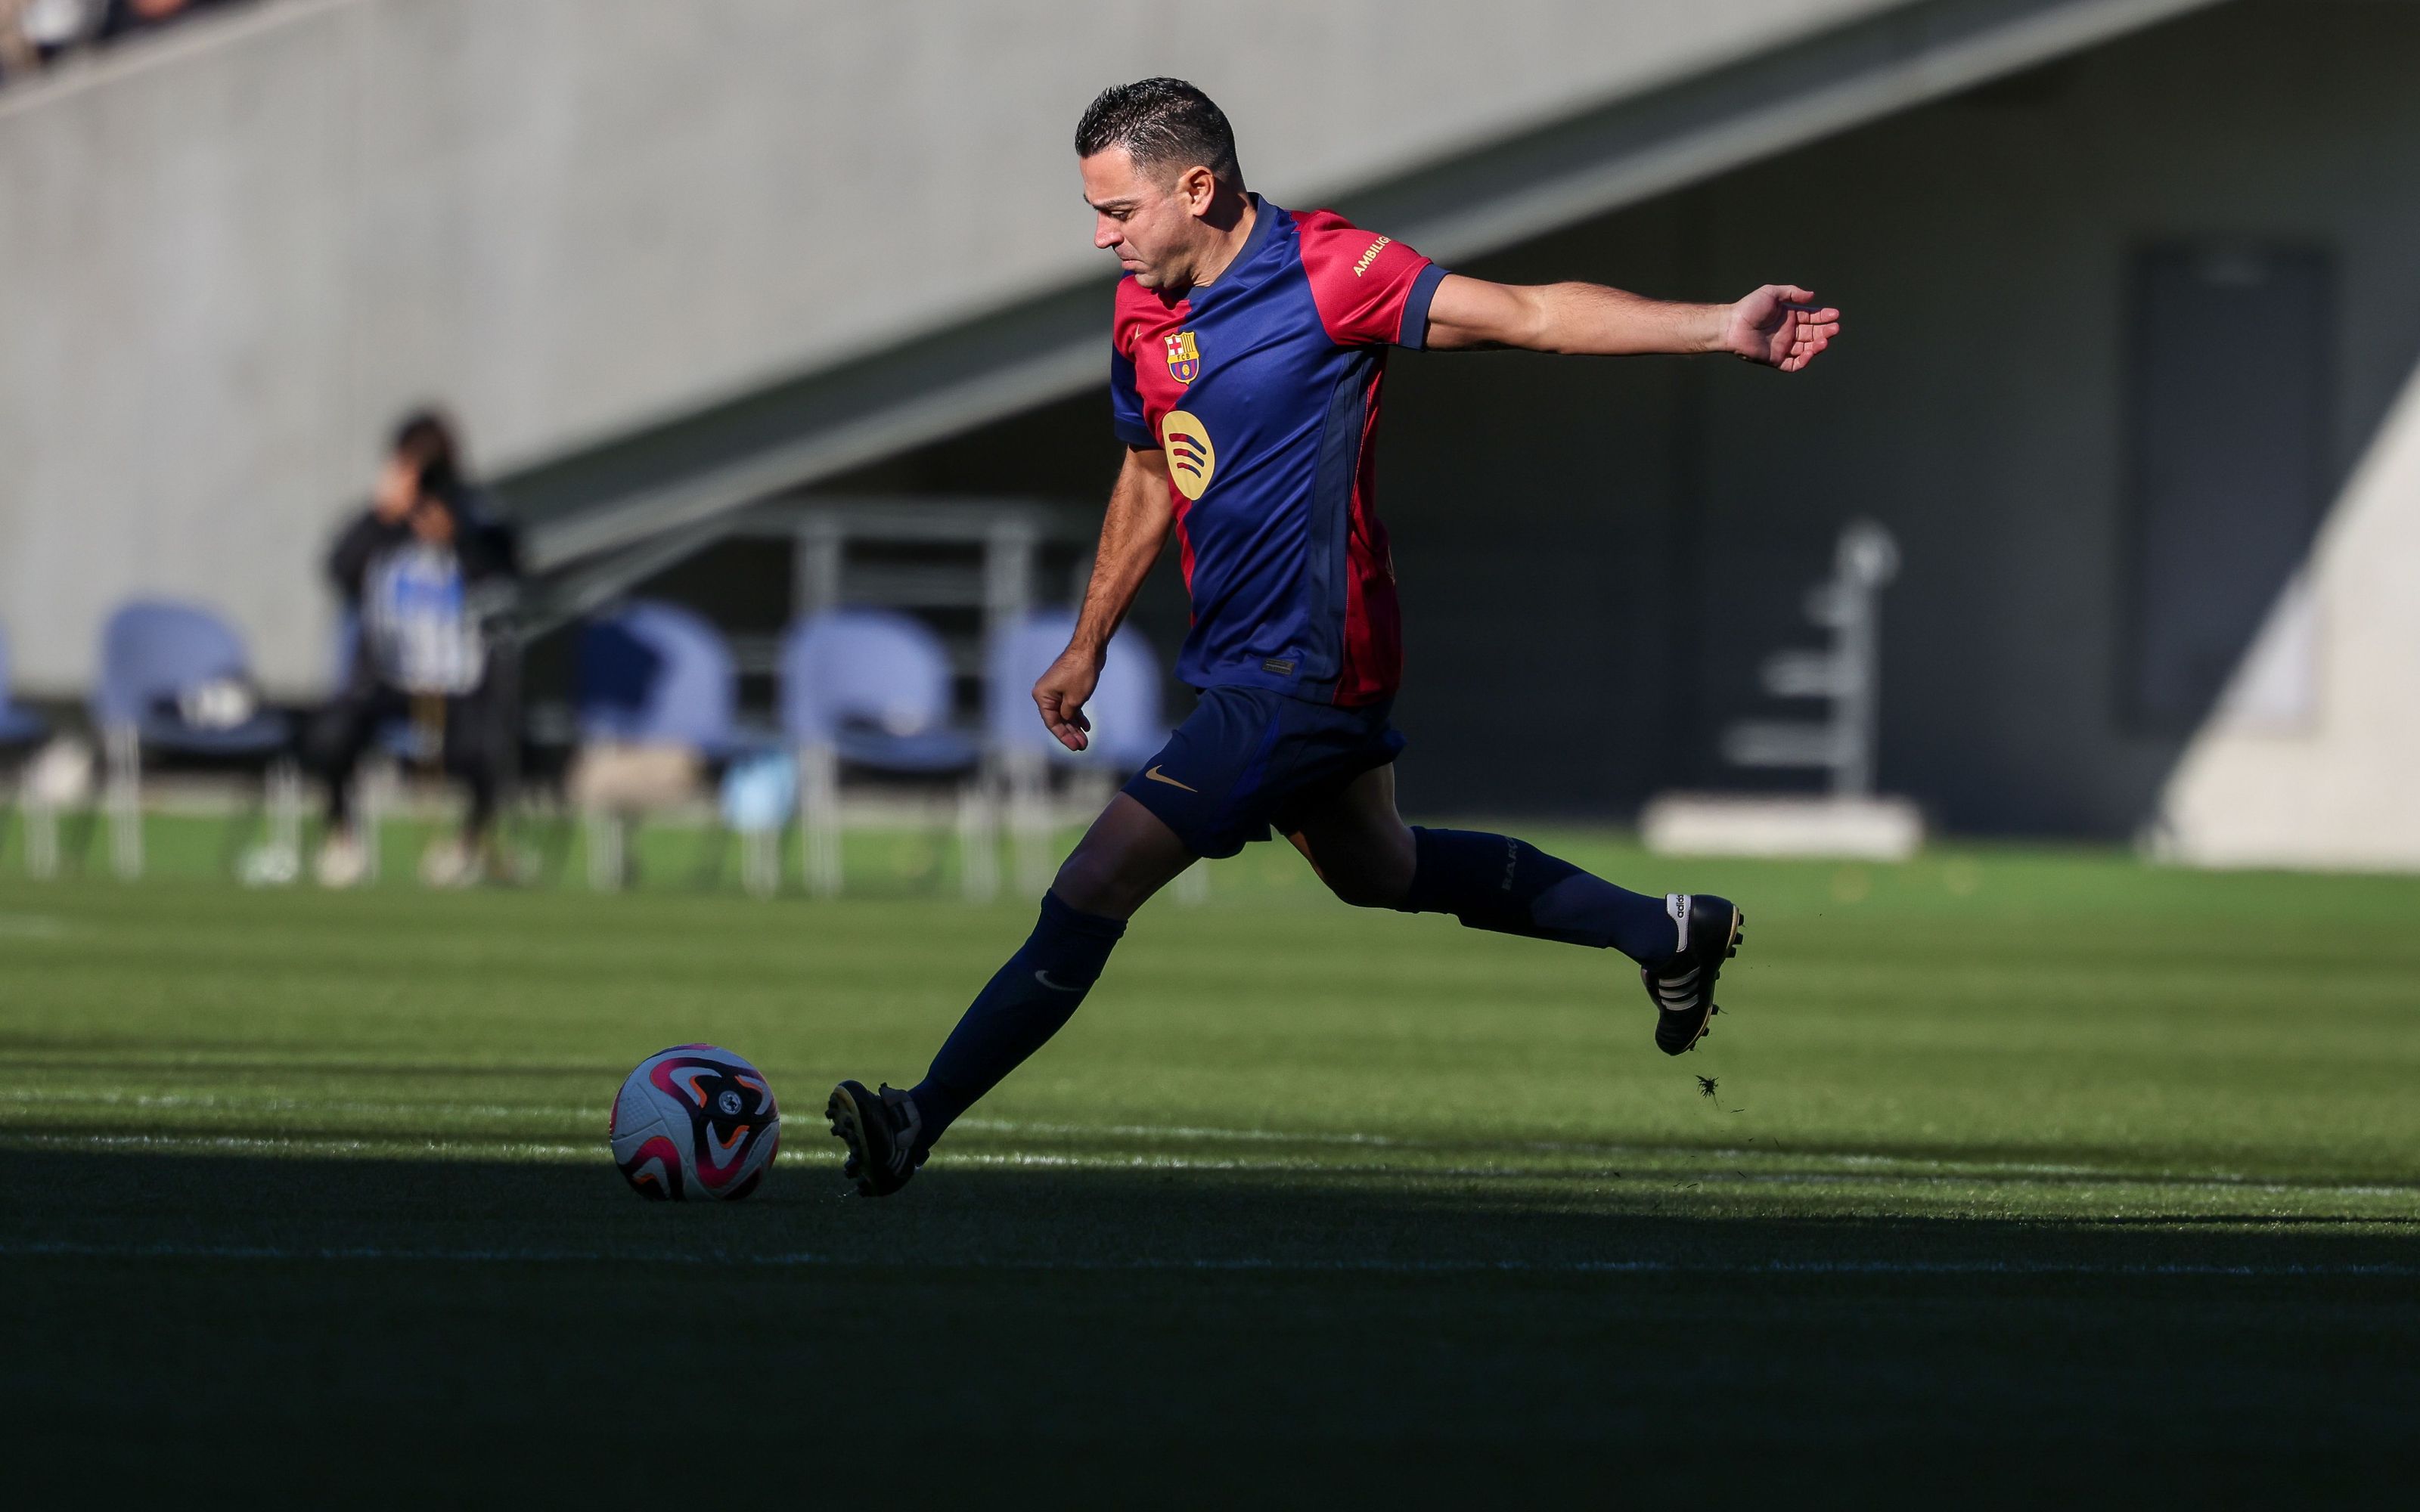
(1246, 354)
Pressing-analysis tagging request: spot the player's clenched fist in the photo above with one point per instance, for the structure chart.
(1060, 694)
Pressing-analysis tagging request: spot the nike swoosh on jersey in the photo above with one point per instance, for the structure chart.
(1156, 775)
(1044, 978)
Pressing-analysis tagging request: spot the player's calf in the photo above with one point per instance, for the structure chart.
(1497, 882)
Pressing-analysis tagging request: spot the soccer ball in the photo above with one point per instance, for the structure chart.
(694, 1121)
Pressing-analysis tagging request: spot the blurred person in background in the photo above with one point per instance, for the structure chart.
(422, 438)
(121, 17)
(19, 57)
(33, 32)
(127, 14)
(422, 573)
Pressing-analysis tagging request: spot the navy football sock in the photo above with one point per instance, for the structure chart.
(1498, 883)
(1023, 1005)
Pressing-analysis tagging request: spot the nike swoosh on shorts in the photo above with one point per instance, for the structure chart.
(1155, 776)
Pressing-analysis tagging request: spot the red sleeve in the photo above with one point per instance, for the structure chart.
(1125, 317)
(1125, 398)
(1370, 289)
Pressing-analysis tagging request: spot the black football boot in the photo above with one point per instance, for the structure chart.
(1708, 930)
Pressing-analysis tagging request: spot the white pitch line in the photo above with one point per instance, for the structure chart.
(1664, 1176)
(800, 1260)
(37, 1097)
(303, 1144)
(1161, 1131)
(1883, 1164)
(1164, 1131)
(1861, 1168)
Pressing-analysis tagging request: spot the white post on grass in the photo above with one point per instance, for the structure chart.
(760, 861)
(608, 862)
(978, 840)
(1029, 817)
(819, 817)
(285, 782)
(41, 837)
(123, 753)
(370, 783)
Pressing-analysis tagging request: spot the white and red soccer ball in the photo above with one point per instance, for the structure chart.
(695, 1121)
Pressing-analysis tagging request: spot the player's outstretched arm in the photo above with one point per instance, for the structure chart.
(1780, 325)
(1132, 533)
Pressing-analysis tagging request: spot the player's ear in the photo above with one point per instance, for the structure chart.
(1197, 186)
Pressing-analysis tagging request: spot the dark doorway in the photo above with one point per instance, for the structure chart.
(2231, 398)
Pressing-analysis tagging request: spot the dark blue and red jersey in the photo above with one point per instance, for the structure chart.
(1262, 387)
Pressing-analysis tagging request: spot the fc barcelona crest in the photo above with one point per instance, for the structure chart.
(1182, 359)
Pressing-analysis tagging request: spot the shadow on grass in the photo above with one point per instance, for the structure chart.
(1039, 1216)
(1394, 1328)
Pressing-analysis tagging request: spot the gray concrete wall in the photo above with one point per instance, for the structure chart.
(229, 256)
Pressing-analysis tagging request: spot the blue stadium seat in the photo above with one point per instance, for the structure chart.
(1127, 728)
(874, 685)
(871, 687)
(1125, 708)
(655, 674)
(17, 726)
(153, 652)
(156, 657)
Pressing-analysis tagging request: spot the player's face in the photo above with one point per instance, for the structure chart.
(1156, 228)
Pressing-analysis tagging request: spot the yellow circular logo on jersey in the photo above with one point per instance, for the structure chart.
(1190, 457)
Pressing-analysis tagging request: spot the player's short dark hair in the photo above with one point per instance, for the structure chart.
(1165, 124)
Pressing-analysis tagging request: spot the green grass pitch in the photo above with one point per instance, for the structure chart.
(2023, 1168)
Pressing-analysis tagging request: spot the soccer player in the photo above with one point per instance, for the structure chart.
(1247, 353)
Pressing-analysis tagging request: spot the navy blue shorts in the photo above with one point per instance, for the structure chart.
(1249, 758)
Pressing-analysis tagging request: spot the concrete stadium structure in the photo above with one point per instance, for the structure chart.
(670, 262)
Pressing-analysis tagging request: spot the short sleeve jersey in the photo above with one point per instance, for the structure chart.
(1262, 387)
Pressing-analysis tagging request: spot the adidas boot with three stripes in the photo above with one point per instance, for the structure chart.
(1709, 930)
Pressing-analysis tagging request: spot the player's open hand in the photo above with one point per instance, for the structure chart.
(1781, 326)
(1060, 694)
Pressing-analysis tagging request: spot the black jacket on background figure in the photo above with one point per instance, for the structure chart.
(474, 727)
